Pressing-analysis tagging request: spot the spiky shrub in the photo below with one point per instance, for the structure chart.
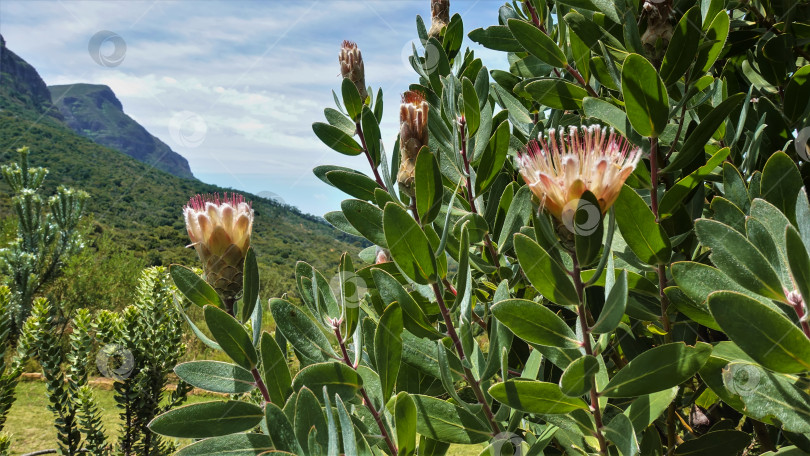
(580, 294)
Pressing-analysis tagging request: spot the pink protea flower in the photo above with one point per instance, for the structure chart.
(220, 228)
(560, 168)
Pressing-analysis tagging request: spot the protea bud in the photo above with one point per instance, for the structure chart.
(219, 228)
(413, 134)
(560, 168)
(440, 17)
(658, 27)
(382, 255)
(351, 66)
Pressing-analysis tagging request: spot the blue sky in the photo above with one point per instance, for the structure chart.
(235, 86)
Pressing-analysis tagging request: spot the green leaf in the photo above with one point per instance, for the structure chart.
(307, 340)
(620, 432)
(388, 348)
(537, 43)
(615, 304)
(646, 238)
(738, 258)
(472, 110)
(336, 139)
(232, 445)
(445, 422)
(644, 410)
(658, 369)
(591, 33)
(761, 332)
(346, 428)
(207, 419)
(697, 139)
(645, 96)
(496, 37)
(781, 182)
(716, 34)
(535, 323)
(366, 219)
(275, 372)
(351, 99)
(232, 337)
(607, 113)
(683, 46)
(796, 91)
(216, 376)
(409, 245)
(193, 287)
(535, 397)
(557, 93)
(517, 216)
(371, 133)
(353, 183)
(493, 158)
(250, 294)
(414, 318)
(767, 395)
(428, 183)
(405, 424)
(280, 430)
(308, 420)
(337, 377)
(673, 197)
(799, 261)
(723, 441)
(544, 273)
(578, 377)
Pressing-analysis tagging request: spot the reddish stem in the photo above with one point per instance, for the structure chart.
(260, 384)
(368, 156)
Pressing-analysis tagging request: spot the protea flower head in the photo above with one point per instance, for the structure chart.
(440, 17)
(219, 228)
(413, 134)
(351, 66)
(560, 167)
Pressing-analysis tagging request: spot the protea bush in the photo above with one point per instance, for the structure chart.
(601, 249)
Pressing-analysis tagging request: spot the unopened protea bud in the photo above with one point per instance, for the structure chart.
(658, 29)
(351, 66)
(440, 16)
(219, 228)
(413, 134)
(382, 255)
(560, 168)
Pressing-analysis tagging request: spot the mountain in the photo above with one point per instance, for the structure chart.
(140, 206)
(94, 112)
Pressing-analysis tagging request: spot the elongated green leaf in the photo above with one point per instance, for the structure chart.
(646, 409)
(445, 422)
(413, 316)
(371, 133)
(544, 273)
(739, 258)
(346, 428)
(428, 186)
(280, 430)
(250, 294)
(230, 445)
(797, 89)
(761, 332)
(557, 93)
(658, 369)
(535, 397)
(645, 96)
(208, 419)
(351, 98)
(646, 238)
(275, 372)
(496, 37)
(716, 34)
(409, 245)
(365, 218)
(308, 420)
(405, 423)
(388, 348)
(607, 113)
(216, 376)
(336, 376)
(537, 43)
(336, 139)
(620, 432)
(353, 183)
(517, 216)
(535, 323)
(232, 337)
(194, 287)
(305, 337)
(578, 377)
(683, 46)
(768, 395)
(613, 310)
(493, 158)
(725, 441)
(683, 187)
(472, 110)
(781, 182)
(693, 146)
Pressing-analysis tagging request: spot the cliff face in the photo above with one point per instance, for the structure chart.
(94, 112)
(22, 91)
